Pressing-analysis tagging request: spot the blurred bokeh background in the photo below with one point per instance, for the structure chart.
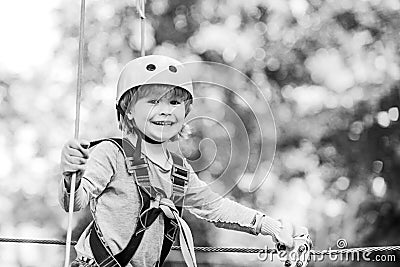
(329, 70)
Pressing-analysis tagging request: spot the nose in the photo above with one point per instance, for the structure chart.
(165, 108)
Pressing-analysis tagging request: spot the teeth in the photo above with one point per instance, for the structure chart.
(162, 123)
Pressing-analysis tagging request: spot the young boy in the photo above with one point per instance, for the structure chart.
(136, 192)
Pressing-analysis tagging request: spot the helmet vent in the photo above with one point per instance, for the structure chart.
(151, 67)
(172, 69)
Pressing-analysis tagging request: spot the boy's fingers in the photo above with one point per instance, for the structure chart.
(74, 153)
(71, 160)
(300, 230)
(77, 144)
(83, 148)
(85, 152)
(73, 143)
(74, 156)
(84, 143)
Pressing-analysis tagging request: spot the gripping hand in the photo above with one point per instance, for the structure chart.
(294, 245)
(74, 157)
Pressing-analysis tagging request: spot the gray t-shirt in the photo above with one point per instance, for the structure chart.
(115, 204)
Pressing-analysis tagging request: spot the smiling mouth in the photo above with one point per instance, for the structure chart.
(163, 123)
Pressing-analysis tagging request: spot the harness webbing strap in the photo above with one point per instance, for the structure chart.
(180, 179)
(138, 168)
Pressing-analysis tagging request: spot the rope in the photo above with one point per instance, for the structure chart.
(76, 134)
(140, 5)
(35, 241)
(218, 249)
(80, 68)
(229, 249)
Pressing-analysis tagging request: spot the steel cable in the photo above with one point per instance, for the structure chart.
(219, 249)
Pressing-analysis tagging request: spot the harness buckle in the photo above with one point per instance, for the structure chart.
(132, 166)
(179, 172)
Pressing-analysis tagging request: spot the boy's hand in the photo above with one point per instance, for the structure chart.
(295, 242)
(74, 156)
(288, 232)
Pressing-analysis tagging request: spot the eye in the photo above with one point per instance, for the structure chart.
(175, 102)
(153, 101)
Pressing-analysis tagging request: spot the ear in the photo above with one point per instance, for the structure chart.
(129, 115)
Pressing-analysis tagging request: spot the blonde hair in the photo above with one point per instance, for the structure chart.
(130, 97)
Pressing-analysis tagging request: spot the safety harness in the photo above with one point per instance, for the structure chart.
(153, 204)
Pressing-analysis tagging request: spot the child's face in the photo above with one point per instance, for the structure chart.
(158, 116)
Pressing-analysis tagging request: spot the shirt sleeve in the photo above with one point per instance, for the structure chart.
(99, 171)
(205, 204)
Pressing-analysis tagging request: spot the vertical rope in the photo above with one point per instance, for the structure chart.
(141, 9)
(80, 69)
(140, 5)
(142, 36)
(76, 134)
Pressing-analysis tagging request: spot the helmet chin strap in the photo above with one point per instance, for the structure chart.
(149, 140)
(141, 136)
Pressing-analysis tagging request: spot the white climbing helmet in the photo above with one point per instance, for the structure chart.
(153, 69)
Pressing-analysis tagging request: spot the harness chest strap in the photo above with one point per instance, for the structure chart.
(153, 204)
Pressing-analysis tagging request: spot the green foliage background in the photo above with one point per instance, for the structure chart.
(330, 71)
